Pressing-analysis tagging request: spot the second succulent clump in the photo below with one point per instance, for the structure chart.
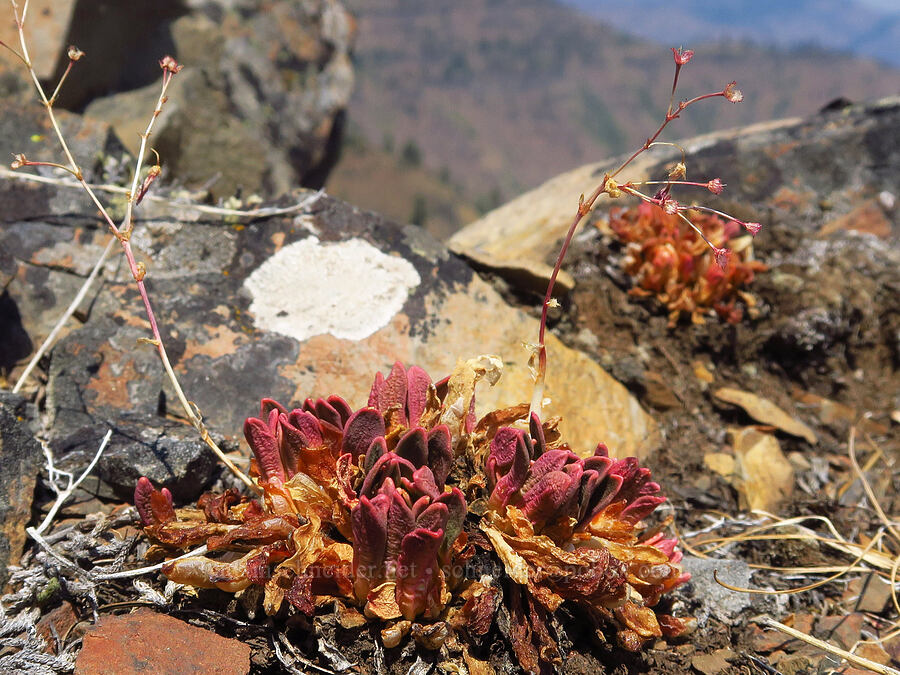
(369, 508)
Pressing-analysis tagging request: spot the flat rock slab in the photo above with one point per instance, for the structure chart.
(146, 642)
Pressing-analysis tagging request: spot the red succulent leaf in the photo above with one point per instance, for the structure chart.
(377, 448)
(422, 483)
(552, 460)
(153, 506)
(307, 425)
(400, 522)
(413, 446)
(434, 517)
(390, 394)
(640, 508)
(267, 405)
(324, 411)
(362, 428)
(265, 447)
(517, 464)
(440, 453)
(456, 508)
(342, 407)
(368, 521)
(417, 571)
(417, 384)
(547, 497)
(388, 465)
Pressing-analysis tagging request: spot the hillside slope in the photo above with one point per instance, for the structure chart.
(502, 94)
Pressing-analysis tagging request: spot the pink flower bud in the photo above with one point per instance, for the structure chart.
(723, 255)
(752, 228)
(732, 94)
(682, 56)
(169, 64)
(715, 186)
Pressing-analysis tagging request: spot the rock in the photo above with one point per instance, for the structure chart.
(824, 155)
(869, 217)
(56, 624)
(259, 105)
(271, 309)
(714, 663)
(867, 594)
(145, 641)
(763, 475)
(47, 25)
(100, 379)
(715, 600)
(766, 412)
(21, 458)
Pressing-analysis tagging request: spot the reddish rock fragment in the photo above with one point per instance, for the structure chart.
(147, 642)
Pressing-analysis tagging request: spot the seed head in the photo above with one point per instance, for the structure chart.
(732, 93)
(715, 186)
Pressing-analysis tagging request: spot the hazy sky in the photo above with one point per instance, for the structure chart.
(885, 5)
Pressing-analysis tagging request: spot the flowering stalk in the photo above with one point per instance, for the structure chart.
(121, 232)
(609, 186)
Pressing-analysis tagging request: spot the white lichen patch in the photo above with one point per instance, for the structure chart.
(348, 289)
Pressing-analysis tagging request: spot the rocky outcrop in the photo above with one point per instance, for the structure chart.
(833, 171)
(300, 305)
(259, 107)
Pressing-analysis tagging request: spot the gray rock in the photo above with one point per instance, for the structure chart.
(21, 458)
(259, 106)
(712, 599)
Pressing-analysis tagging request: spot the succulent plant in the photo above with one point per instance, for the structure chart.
(669, 260)
(568, 529)
(356, 507)
(374, 477)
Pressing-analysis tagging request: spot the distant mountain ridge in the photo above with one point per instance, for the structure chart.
(842, 25)
(499, 95)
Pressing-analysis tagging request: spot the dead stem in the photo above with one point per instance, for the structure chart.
(123, 232)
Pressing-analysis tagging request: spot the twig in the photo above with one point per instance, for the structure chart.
(831, 649)
(50, 340)
(72, 486)
(263, 212)
(101, 576)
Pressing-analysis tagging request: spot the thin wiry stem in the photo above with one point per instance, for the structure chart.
(123, 234)
(61, 497)
(584, 207)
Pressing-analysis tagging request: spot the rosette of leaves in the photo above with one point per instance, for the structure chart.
(354, 504)
(667, 259)
(568, 529)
